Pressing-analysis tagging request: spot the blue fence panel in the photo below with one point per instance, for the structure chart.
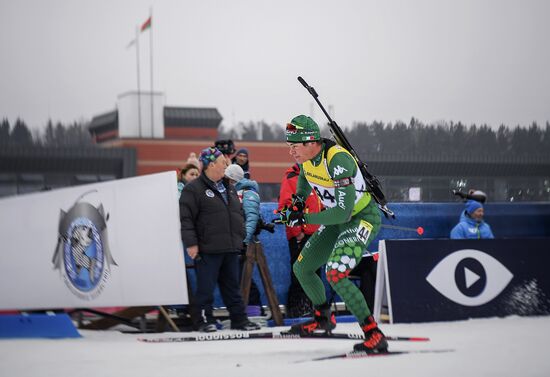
(507, 220)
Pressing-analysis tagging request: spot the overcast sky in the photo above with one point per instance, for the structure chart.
(473, 60)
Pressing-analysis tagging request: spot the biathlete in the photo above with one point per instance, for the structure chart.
(349, 223)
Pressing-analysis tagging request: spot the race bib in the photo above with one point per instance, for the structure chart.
(363, 231)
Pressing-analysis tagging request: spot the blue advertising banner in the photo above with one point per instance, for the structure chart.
(442, 280)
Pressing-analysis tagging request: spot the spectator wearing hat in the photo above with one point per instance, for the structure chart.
(241, 159)
(247, 190)
(212, 229)
(227, 147)
(471, 224)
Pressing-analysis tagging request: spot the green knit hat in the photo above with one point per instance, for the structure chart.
(302, 129)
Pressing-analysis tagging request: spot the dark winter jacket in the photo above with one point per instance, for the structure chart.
(207, 221)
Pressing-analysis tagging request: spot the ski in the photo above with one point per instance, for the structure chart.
(361, 336)
(269, 335)
(359, 355)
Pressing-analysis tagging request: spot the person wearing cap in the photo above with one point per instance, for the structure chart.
(241, 159)
(227, 147)
(471, 224)
(349, 223)
(212, 229)
(247, 190)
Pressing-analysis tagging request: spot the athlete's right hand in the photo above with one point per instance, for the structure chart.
(289, 217)
(298, 203)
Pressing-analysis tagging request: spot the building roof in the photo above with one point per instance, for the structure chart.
(200, 117)
(104, 122)
(179, 117)
(119, 162)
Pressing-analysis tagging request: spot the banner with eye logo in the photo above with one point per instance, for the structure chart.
(444, 280)
(105, 244)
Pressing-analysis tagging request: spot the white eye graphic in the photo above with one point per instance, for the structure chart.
(469, 277)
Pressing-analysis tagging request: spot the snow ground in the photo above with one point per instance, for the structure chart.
(513, 346)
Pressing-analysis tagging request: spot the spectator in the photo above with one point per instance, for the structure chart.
(188, 173)
(247, 191)
(241, 159)
(192, 159)
(212, 229)
(471, 224)
(227, 147)
(298, 304)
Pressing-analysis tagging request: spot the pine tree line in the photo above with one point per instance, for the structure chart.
(59, 135)
(418, 138)
(396, 138)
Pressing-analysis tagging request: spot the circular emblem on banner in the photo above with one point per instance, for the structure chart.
(209, 193)
(83, 257)
(470, 277)
(82, 254)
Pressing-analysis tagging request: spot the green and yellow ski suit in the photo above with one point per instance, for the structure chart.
(350, 222)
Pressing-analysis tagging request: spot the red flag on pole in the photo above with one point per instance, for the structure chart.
(146, 25)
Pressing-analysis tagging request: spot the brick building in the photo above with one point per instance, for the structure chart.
(181, 130)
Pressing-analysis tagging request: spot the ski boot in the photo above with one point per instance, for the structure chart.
(245, 325)
(207, 327)
(322, 319)
(375, 340)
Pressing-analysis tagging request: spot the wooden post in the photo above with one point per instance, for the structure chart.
(255, 254)
(248, 268)
(164, 314)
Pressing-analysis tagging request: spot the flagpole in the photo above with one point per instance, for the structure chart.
(151, 66)
(138, 80)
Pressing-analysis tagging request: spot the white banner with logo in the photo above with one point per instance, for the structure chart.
(107, 244)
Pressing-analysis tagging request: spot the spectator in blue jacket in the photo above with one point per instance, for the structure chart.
(250, 198)
(247, 190)
(471, 224)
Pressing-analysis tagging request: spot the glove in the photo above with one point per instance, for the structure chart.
(298, 203)
(291, 218)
